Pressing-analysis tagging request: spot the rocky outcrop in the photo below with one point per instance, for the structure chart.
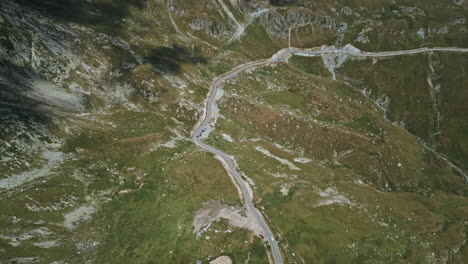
(278, 24)
(214, 29)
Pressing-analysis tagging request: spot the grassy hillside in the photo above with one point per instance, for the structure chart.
(424, 94)
(340, 183)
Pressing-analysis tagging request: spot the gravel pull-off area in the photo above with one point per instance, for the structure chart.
(213, 211)
(222, 260)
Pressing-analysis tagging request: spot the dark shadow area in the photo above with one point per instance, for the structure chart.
(103, 15)
(14, 85)
(283, 2)
(170, 59)
(21, 119)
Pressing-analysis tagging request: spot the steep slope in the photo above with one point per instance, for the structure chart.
(96, 163)
(423, 94)
(339, 182)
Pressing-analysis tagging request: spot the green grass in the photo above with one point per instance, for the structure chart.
(325, 233)
(170, 207)
(311, 65)
(286, 97)
(414, 102)
(325, 118)
(255, 43)
(365, 123)
(219, 68)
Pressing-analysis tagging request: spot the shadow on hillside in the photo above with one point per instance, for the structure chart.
(13, 103)
(170, 59)
(104, 15)
(283, 2)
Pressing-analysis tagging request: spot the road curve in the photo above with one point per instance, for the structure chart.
(207, 121)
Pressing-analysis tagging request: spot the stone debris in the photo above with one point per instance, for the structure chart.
(331, 196)
(281, 160)
(80, 214)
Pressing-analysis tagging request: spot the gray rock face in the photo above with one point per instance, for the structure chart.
(211, 28)
(57, 68)
(347, 11)
(40, 45)
(219, 18)
(278, 24)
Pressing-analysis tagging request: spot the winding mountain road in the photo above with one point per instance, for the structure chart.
(208, 120)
